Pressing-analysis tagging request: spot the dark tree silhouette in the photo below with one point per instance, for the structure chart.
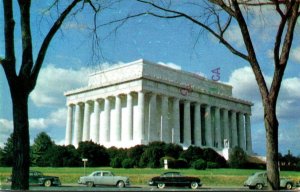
(22, 80)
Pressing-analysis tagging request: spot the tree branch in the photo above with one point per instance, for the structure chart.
(285, 51)
(9, 62)
(207, 28)
(250, 49)
(27, 58)
(47, 40)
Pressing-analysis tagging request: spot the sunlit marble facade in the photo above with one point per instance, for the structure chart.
(141, 102)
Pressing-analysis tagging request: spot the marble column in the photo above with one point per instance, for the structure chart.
(234, 131)
(241, 131)
(115, 133)
(105, 130)
(218, 131)
(208, 128)
(138, 134)
(86, 121)
(69, 125)
(187, 139)
(226, 127)
(197, 125)
(176, 121)
(153, 121)
(128, 128)
(248, 134)
(165, 131)
(94, 134)
(78, 124)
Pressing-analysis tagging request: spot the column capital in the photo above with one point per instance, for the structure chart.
(98, 100)
(80, 103)
(71, 104)
(88, 101)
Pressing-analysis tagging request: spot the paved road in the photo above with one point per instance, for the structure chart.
(132, 188)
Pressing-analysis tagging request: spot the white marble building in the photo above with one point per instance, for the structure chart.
(141, 102)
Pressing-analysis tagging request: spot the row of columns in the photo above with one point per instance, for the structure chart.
(151, 122)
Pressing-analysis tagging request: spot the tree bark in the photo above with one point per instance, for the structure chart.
(20, 170)
(271, 125)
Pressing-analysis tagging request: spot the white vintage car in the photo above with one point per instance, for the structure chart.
(104, 178)
(258, 180)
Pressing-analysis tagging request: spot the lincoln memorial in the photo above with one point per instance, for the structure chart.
(141, 102)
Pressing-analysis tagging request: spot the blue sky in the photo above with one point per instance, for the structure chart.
(174, 42)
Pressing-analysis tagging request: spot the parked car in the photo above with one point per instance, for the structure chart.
(37, 178)
(104, 178)
(175, 179)
(259, 180)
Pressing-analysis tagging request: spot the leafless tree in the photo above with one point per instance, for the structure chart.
(216, 16)
(22, 81)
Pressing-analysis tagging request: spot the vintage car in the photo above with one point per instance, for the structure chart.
(258, 180)
(104, 178)
(175, 179)
(37, 178)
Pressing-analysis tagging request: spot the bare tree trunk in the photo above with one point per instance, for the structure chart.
(20, 171)
(271, 124)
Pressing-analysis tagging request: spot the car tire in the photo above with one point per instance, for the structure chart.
(90, 184)
(161, 185)
(47, 183)
(288, 186)
(194, 185)
(121, 184)
(251, 187)
(259, 186)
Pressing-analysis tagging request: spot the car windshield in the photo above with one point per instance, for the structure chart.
(171, 174)
(35, 173)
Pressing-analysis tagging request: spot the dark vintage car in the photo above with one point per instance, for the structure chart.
(37, 178)
(175, 179)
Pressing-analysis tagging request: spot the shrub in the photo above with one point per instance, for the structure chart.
(116, 162)
(96, 154)
(151, 156)
(172, 150)
(180, 163)
(127, 163)
(135, 153)
(211, 155)
(237, 158)
(212, 165)
(199, 164)
(192, 154)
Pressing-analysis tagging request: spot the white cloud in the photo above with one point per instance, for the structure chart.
(171, 65)
(54, 81)
(39, 123)
(6, 128)
(295, 53)
(288, 106)
(58, 117)
(234, 35)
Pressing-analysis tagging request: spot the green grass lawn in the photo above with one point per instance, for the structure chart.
(138, 176)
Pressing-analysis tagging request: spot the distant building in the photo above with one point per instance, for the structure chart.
(141, 102)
